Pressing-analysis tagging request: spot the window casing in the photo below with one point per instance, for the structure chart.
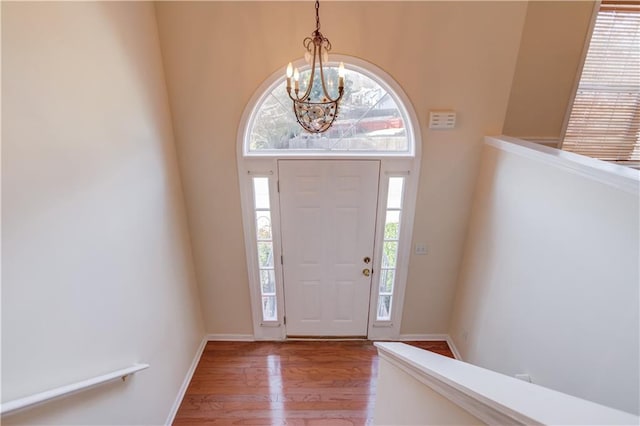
(604, 121)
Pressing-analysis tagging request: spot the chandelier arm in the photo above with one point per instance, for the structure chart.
(324, 87)
(307, 93)
(309, 84)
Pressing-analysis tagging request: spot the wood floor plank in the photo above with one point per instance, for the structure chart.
(306, 383)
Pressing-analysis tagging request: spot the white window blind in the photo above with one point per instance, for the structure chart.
(605, 118)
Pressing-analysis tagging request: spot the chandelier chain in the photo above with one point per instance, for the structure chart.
(315, 113)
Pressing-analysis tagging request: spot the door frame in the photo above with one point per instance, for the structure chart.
(268, 167)
(391, 165)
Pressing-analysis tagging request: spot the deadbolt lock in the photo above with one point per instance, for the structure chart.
(366, 272)
(367, 259)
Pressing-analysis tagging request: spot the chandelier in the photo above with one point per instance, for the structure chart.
(315, 112)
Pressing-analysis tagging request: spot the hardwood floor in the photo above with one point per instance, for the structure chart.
(286, 383)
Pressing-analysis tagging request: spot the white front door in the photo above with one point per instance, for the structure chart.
(328, 215)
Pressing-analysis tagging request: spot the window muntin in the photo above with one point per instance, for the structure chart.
(264, 242)
(604, 121)
(390, 245)
(369, 120)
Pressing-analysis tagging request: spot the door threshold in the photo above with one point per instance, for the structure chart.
(324, 338)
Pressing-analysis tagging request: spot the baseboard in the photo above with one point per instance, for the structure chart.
(453, 348)
(325, 339)
(432, 337)
(423, 337)
(230, 337)
(185, 382)
(250, 338)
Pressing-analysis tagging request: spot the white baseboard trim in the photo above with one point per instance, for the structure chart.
(432, 337)
(230, 337)
(453, 348)
(185, 382)
(423, 337)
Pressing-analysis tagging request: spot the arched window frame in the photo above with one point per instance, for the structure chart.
(405, 164)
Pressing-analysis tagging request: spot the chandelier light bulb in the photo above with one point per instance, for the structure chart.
(296, 78)
(289, 74)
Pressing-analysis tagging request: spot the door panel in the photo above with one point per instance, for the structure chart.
(328, 215)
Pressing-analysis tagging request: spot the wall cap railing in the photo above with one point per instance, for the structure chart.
(495, 398)
(42, 397)
(621, 177)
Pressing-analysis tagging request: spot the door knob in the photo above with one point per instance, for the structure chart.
(367, 259)
(366, 272)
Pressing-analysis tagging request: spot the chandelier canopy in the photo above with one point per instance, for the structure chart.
(315, 112)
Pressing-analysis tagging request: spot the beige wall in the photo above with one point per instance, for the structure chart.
(548, 64)
(97, 271)
(458, 55)
(549, 283)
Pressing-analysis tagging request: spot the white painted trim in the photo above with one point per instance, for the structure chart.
(248, 212)
(247, 169)
(454, 348)
(325, 339)
(423, 337)
(552, 142)
(390, 330)
(230, 338)
(620, 177)
(407, 163)
(494, 398)
(19, 404)
(432, 338)
(186, 382)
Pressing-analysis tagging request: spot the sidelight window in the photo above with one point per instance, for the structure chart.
(264, 241)
(390, 248)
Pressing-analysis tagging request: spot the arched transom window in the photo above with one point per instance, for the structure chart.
(371, 119)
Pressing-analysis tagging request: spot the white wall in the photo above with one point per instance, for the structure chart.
(423, 388)
(458, 55)
(97, 270)
(550, 277)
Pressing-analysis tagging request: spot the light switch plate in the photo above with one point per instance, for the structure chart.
(421, 248)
